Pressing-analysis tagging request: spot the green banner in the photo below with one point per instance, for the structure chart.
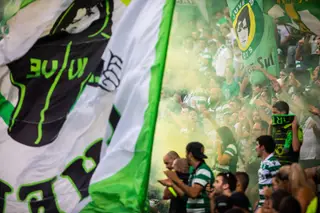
(301, 14)
(255, 32)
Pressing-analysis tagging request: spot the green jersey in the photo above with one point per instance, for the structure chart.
(203, 176)
(233, 152)
(268, 169)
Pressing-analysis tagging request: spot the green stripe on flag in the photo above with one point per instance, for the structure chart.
(135, 179)
(25, 3)
(6, 109)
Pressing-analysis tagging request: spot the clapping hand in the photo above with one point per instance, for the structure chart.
(166, 182)
(172, 175)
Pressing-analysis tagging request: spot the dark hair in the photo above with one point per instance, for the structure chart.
(289, 204)
(226, 136)
(268, 143)
(277, 197)
(197, 149)
(230, 179)
(234, 210)
(242, 16)
(244, 179)
(282, 106)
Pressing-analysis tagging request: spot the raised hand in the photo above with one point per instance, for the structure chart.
(314, 110)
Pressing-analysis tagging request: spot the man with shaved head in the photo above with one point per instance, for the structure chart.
(169, 158)
(180, 165)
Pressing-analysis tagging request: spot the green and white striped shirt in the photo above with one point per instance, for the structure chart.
(233, 152)
(268, 169)
(202, 175)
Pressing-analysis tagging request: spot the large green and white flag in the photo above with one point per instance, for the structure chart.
(255, 32)
(78, 112)
(120, 182)
(303, 14)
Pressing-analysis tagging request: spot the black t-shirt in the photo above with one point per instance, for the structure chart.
(282, 129)
(178, 205)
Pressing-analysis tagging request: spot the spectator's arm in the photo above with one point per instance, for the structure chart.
(264, 116)
(224, 159)
(315, 113)
(283, 95)
(167, 194)
(270, 128)
(296, 144)
(298, 55)
(244, 85)
(265, 72)
(178, 190)
(212, 205)
(191, 191)
(315, 73)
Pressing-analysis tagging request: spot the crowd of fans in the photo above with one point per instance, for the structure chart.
(282, 188)
(232, 119)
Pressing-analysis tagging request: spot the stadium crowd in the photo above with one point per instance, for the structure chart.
(259, 144)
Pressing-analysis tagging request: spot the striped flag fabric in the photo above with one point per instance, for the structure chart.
(79, 95)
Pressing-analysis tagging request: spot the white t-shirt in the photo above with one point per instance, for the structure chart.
(283, 32)
(220, 60)
(313, 44)
(310, 148)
